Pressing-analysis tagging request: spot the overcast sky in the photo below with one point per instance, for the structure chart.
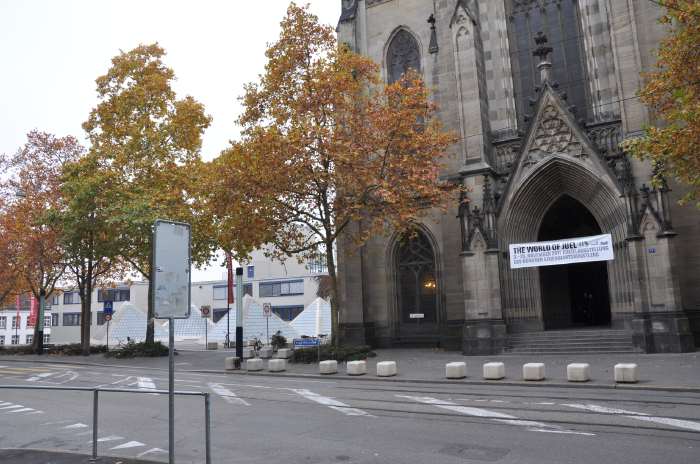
(51, 51)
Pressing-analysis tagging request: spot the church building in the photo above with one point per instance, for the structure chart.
(540, 93)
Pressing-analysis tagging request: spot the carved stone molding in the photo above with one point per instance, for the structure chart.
(554, 136)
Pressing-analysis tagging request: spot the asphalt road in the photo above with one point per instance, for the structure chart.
(267, 419)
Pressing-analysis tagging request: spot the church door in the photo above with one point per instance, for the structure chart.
(573, 295)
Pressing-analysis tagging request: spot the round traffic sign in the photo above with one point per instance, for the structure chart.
(108, 317)
(206, 310)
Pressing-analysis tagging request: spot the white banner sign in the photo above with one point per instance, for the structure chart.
(567, 251)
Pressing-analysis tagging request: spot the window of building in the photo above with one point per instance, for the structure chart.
(282, 288)
(29, 339)
(15, 340)
(402, 54)
(220, 313)
(71, 319)
(560, 21)
(100, 318)
(2, 340)
(71, 298)
(47, 339)
(287, 313)
(54, 299)
(16, 322)
(220, 291)
(3, 322)
(251, 272)
(114, 294)
(318, 266)
(47, 321)
(54, 319)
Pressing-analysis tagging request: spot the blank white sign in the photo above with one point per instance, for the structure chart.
(171, 263)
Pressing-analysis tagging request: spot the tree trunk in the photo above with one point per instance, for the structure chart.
(150, 329)
(330, 260)
(86, 317)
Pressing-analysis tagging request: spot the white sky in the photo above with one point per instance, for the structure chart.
(51, 52)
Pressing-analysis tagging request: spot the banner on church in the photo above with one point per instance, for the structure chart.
(566, 251)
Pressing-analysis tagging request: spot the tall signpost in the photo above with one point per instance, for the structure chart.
(239, 313)
(267, 312)
(171, 296)
(229, 297)
(107, 311)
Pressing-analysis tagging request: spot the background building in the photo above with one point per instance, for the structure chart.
(14, 331)
(541, 93)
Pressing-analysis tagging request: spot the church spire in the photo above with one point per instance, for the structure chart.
(542, 52)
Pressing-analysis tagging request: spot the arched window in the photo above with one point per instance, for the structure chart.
(560, 21)
(403, 54)
(417, 278)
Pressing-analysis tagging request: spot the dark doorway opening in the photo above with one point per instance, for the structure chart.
(573, 295)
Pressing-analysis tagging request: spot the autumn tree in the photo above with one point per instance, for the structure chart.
(673, 92)
(148, 143)
(88, 237)
(30, 195)
(9, 275)
(325, 145)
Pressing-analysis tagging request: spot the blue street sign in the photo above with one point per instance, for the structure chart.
(108, 308)
(305, 342)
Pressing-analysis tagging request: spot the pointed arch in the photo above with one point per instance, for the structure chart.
(402, 52)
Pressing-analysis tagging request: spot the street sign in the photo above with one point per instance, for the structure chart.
(267, 309)
(416, 315)
(108, 317)
(206, 311)
(305, 342)
(108, 308)
(171, 262)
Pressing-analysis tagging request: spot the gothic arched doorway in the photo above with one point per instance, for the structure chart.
(417, 287)
(573, 295)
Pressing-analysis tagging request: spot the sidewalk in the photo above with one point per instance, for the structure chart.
(427, 365)
(28, 456)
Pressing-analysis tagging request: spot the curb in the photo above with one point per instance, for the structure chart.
(507, 383)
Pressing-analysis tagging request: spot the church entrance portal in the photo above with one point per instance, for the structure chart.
(573, 295)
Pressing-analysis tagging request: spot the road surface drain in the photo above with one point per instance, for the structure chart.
(475, 452)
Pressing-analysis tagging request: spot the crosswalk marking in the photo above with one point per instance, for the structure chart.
(227, 395)
(331, 403)
(77, 425)
(20, 410)
(131, 444)
(14, 406)
(109, 438)
(533, 426)
(151, 451)
(146, 383)
(680, 423)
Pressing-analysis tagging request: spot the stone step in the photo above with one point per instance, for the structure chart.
(601, 344)
(570, 342)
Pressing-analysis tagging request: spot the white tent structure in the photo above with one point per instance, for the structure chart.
(315, 320)
(128, 321)
(254, 323)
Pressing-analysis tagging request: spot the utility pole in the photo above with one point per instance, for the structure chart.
(239, 313)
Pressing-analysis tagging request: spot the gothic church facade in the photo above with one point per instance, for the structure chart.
(541, 93)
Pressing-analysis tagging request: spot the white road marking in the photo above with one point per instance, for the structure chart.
(131, 444)
(151, 451)
(331, 403)
(680, 423)
(20, 410)
(227, 395)
(5, 403)
(77, 425)
(40, 376)
(109, 438)
(36, 412)
(56, 423)
(145, 383)
(533, 426)
(14, 406)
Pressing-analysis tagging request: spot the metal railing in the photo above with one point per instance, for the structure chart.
(95, 408)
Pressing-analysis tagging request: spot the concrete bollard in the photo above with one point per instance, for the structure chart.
(494, 371)
(328, 367)
(213, 345)
(254, 364)
(232, 363)
(265, 352)
(626, 373)
(456, 370)
(283, 353)
(578, 372)
(386, 369)
(533, 371)
(277, 365)
(248, 353)
(356, 367)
